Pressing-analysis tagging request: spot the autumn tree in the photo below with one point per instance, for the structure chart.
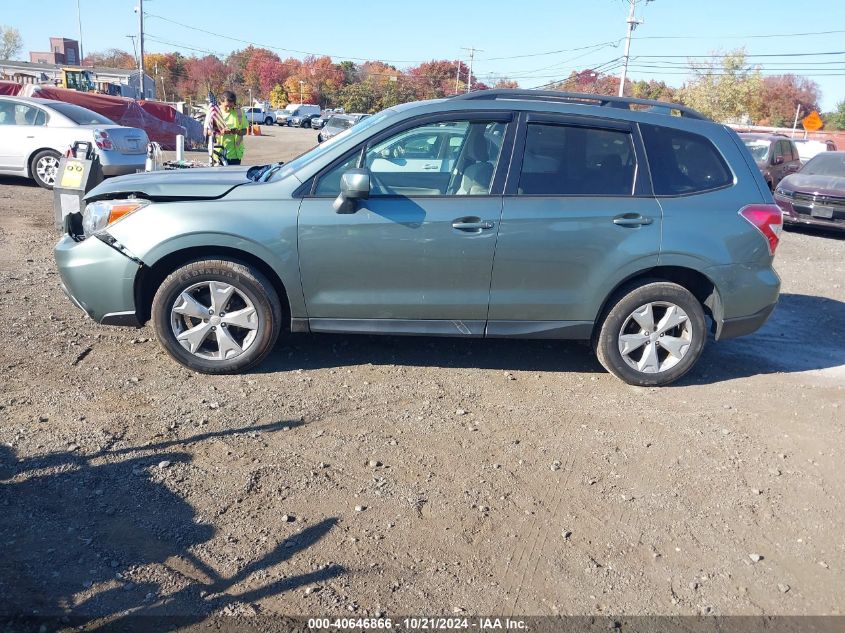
(591, 82)
(11, 42)
(203, 75)
(781, 96)
(437, 78)
(505, 83)
(111, 58)
(167, 69)
(278, 97)
(727, 89)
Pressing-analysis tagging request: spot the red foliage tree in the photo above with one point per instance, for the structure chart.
(782, 94)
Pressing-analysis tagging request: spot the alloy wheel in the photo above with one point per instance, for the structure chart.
(46, 168)
(214, 320)
(655, 337)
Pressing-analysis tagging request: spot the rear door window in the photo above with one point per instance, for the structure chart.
(568, 160)
(683, 163)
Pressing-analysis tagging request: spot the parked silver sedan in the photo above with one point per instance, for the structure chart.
(35, 133)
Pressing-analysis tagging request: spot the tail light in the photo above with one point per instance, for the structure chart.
(102, 140)
(766, 218)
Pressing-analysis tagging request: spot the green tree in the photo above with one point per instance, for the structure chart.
(727, 89)
(11, 42)
(359, 97)
(835, 120)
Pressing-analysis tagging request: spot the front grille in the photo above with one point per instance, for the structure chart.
(810, 200)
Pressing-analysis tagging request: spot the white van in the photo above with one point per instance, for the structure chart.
(294, 109)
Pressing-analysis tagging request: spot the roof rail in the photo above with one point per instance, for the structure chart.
(660, 107)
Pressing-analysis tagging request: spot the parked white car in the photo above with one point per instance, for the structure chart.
(35, 133)
(259, 115)
(808, 149)
(283, 117)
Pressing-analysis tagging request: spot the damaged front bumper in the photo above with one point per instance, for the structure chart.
(98, 275)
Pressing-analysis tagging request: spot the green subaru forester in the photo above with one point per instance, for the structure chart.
(634, 224)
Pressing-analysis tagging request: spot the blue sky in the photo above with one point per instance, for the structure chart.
(517, 38)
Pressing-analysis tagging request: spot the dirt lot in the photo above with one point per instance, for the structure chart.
(359, 475)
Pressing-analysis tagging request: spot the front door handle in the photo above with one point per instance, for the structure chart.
(431, 166)
(631, 219)
(471, 224)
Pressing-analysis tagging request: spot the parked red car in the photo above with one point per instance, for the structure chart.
(816, 194)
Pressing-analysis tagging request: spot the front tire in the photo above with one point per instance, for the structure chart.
(268, 121)
(652, 334)
(45, 168)
(217, 316)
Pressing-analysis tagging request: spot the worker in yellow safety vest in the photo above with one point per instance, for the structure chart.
(232, 138)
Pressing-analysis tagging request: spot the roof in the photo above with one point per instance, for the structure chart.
(97, 70)
(764, 137)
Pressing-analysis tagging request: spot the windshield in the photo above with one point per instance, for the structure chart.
(759, 148)
(315, 152)
(80, 115)
(338, 123)
(826, 164)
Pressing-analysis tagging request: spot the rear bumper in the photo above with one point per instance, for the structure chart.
(732, 328)
(747, 294)
(98, 279)
(117, 164)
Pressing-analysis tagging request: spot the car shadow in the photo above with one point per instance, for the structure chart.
(804, 333)
(816, 231)
(76, 528)
(20, 181)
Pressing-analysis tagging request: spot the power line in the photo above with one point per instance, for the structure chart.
(735, 37)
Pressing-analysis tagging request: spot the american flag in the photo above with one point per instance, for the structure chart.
(213, 122)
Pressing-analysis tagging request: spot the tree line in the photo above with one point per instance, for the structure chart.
(725, 88)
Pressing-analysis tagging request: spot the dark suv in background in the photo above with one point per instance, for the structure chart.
(775, 155)
(497, 214)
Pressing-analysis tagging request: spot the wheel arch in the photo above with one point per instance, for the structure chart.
(700, 285)
(149, 278)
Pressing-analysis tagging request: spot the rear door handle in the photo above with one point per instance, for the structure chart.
(471, 224)
(631, 219)
(431, 166)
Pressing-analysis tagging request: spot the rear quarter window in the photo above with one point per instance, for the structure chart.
(683, 163)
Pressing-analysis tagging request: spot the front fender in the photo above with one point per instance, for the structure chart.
(264, 229)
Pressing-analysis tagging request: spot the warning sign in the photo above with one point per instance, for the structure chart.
(812, 122)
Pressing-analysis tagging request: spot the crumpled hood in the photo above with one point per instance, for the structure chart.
(823, 185)
(197, 183)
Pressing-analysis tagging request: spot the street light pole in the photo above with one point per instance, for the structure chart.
(79, 22)
(632, 24)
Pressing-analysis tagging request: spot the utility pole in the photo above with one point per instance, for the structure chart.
(795, 122)
(457, 76)
(632, 25)
(472, 51)
(79, 22)
(134, 48)
(141, 81)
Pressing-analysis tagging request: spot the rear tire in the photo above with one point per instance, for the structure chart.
(268, 121)
(652, 334)
(45, 168)
(217, 316)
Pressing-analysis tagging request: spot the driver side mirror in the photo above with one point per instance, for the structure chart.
(354, 186)
(778, 160)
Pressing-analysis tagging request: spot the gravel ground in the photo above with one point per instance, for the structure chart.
(362, 475)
